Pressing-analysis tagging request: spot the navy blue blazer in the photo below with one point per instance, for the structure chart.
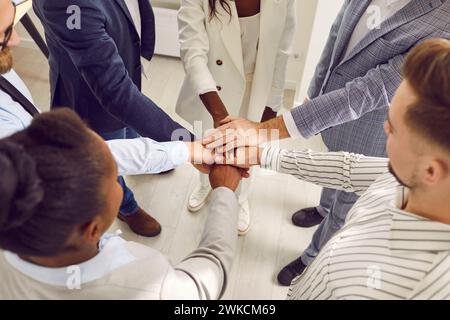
(96, 69)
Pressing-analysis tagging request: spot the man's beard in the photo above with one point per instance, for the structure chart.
(400, 181)
(6, 61)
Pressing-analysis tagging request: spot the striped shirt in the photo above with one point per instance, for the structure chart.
(382, 252)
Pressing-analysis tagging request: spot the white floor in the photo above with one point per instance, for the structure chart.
(272, 241)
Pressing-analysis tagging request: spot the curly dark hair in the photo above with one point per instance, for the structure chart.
(51, 177)
(213, 4)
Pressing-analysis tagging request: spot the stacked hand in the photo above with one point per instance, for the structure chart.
(234, 133)
(241, 157)
(204, 159)
(225, 176)
(236, 142)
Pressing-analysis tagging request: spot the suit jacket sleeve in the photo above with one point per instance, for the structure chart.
(284, 52)
(95, 55)
(359, 96)
(194, 44)
(325, 59)
(204, 273)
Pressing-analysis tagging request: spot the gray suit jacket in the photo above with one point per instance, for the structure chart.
(350, 98)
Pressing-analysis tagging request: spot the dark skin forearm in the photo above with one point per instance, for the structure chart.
(211, 100)
(215, 106)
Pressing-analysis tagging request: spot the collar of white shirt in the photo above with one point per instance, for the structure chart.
(410, 232)
(112, 256)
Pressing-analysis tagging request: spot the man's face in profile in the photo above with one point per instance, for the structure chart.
(7, 13)
(6, 61)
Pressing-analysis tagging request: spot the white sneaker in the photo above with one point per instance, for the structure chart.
(244, 219)
(198, 197)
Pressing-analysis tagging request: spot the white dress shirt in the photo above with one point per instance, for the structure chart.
(250, 27)
(133, 8)
(13, 117)
(133, 156)
(382, 251)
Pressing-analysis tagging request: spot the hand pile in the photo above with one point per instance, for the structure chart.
(229, 150)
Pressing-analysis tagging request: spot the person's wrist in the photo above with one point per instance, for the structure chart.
(190, 150)
(219, 117)
(195, 152)
(263, 132)
(223, 187)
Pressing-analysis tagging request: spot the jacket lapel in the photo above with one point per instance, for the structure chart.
(230, 33)
(349, 21)
(265, 32)
(125, 10)
(148, 32)
(411, 11)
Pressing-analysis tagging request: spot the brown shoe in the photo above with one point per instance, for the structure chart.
(142, 223)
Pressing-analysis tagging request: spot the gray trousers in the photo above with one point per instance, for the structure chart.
(334, 206)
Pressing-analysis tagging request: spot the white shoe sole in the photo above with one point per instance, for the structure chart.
(197, 208)
(244, 232)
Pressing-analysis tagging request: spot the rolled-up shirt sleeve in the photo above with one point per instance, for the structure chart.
(146, 156)
(344, 171)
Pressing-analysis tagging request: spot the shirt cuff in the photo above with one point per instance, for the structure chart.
(200, 76)
(270, 158)
(178, 152)
(291, 126)
(216, 193)
(203, 91)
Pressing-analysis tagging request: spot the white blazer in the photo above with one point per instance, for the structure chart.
(211, 51)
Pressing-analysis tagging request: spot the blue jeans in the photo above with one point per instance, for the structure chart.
(334, 207)
(129, 205)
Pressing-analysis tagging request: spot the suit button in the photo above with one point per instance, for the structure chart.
(219, 62)
(219, 88)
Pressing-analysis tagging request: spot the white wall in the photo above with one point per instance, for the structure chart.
(305, 20)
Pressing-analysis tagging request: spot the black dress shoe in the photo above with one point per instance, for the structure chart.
(307, 218)
(290, 272)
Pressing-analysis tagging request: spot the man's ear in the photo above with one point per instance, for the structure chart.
(436, 171)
